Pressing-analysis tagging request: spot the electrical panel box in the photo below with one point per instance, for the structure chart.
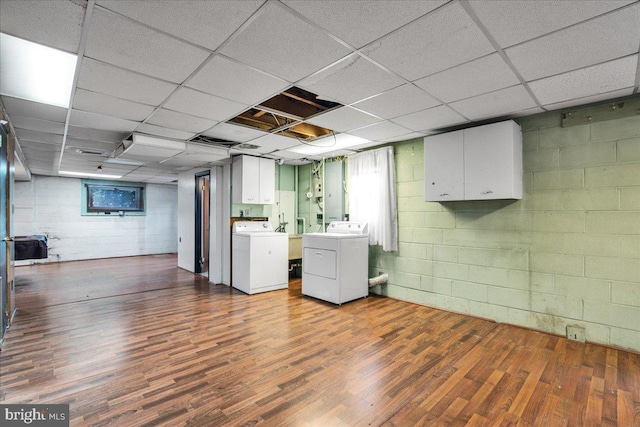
(317, 187)
(334, 192)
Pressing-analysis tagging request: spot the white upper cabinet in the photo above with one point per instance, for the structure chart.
(445, 180)
(253, 180)
(267, 181)
(480, 163)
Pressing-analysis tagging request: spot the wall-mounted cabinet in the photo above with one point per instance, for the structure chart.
(480, 163)
(253, 180)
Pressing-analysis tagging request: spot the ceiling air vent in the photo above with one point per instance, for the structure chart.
(89, 152)
(216, 142)
(246, 146)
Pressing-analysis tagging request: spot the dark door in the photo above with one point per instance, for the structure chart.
(202, 223)
(4, 183)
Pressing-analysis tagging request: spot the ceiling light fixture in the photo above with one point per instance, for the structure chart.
(89, 175)
(35, 72)
(341, 141)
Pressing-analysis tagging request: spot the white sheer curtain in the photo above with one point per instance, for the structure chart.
(372, 195)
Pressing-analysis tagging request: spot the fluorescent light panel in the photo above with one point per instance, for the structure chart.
(328, 143)
(35, 72)
(88, 174)
(125, 162)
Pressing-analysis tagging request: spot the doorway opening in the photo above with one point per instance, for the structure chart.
(202, 223)
(4, 235)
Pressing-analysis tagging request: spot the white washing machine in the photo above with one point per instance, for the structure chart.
(259, 257)
(335, 264)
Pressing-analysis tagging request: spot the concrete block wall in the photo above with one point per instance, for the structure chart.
(52, 206)
(568, 253)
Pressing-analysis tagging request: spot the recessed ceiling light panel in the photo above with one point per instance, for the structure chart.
(35, 72)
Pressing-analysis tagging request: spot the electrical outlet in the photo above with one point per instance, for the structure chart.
(576, 333)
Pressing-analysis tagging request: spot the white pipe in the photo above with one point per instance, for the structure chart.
(379, 280)
(304, 223)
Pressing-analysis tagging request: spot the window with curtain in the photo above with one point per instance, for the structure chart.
(372, 195)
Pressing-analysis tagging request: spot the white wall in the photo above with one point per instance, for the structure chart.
(218, 270)
(52, 206)
(186, 219)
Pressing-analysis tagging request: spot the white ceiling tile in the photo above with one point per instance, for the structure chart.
(230, 132)
(228, 79)
(166, 132)
(343, 119)
(288, 155)
(607, 77)
(499, 103)
(397, 102)
(96, 134)
(186, 159)
(22, 107)
(405, 137)
(74, 143)
(361, 22)
(515, 21)
(200, 104)
(36, 146)
(174, 120)
(580, 46)
(369, 144)
(190, 20)
(442, 39)
(166, 178)
(433, 118)
(489, 73)
(380, 131)
(275, 142)
(197, 155)
(98, 121)
(94, 102)
(104, 78)
(283, 45)
(29, 123)
(121, 42)
(351, 79)
(331, 154)
(251, 151)
(25, 135)
(591, 99)
(330, 143)
(54, 23)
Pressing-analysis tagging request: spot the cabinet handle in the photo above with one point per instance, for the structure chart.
(487, 192)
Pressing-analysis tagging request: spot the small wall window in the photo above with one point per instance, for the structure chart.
(109, 198)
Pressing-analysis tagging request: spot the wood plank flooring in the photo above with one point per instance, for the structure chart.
(139, 342)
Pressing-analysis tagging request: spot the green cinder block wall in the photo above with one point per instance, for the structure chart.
(568, 253)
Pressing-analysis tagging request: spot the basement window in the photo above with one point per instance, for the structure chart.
(284, 114)
(107, 198)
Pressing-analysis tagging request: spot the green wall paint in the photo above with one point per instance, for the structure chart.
(568, 253)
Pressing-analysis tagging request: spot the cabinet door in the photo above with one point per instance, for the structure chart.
(443, 167)
(489, 161)
(267, 181)
(246, 179)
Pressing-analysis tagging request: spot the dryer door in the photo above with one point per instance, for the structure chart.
(319, 262)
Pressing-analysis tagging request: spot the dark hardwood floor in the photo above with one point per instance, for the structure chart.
(139, 342)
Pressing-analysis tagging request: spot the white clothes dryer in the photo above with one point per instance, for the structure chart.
(259, 260)
(335, 264)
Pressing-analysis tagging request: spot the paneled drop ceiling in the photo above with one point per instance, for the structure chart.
(201, 72)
